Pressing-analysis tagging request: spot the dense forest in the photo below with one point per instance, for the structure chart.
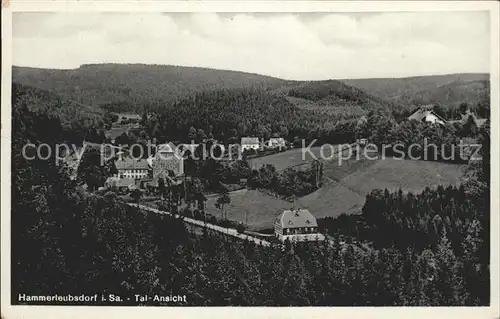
(130, 87)
(76, 120)
(450, 89)
(66, 240)
(460, 216)
(228, 115)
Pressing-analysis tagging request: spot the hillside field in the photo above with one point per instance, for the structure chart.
(261, 209)
(290, 158)
(346, 186)
(344, 189)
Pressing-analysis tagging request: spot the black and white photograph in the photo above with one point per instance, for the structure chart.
(251, 159)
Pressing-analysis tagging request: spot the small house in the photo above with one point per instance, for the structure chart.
(297, 225)
(250, 143)
(276, 142)
(426, 114)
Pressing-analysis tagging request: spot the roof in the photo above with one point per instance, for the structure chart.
(296, 218)
(276, 139)
(465, 117)
(131, 163)
(421, 114)
(250, 140)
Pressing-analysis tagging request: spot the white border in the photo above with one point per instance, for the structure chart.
(9, 312)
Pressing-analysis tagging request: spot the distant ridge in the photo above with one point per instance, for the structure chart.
(448, 89)
(131, 87)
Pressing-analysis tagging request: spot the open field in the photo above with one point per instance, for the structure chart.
(261, 209)
(405, 174)
(346, 186)
(290, 157)
(344, 189)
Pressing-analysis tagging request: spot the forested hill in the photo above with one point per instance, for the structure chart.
(450, 89)
(134, 87)
(123, 87)
(76, 119)
(225, 103)
(332, 95)
(130, 87)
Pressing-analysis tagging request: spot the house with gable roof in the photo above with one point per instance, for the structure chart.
(478, 122)
(250, 143)
(297, 225)
(132, 168)
(426, 114)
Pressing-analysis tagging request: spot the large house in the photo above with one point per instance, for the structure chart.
(167, 161)
(297, 225)
(250, 143)
(132, 168)
(426, 114)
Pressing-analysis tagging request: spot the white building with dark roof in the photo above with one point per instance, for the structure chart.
(250, 143)
(426, 114)
(297, 225)
(132, 168)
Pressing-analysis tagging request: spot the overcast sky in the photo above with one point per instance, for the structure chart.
(308, 46)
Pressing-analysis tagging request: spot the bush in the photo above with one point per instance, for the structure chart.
(240, 228)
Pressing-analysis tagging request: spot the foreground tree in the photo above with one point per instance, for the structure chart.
(223, 200)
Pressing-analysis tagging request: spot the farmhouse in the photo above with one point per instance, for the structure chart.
(426, 114)
(465, 117)
(297, 225)
(250, 143)
(276, 142)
